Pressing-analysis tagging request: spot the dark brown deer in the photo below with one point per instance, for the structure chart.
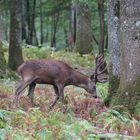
(56, 73)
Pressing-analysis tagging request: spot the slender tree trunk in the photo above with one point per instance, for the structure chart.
(29, 22)
(41, 24)
(102, 26)
(94, 38)
(106, 42)
(35, 37)
(66, 39)
(24, 24)
(1, 27)
(73, 21)
(46, 37)
(75, 25)
(32, 21)
(15, 51)
(51, 31)
(4, 25)
(55, 19)
(7, 14)
(53, 37)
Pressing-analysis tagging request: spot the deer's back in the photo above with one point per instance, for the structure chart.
(47, 71)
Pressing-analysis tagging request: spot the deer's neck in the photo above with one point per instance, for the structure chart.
(79, 79)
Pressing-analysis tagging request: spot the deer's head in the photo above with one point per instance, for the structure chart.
(100, 68)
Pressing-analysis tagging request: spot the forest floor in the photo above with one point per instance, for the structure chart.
(80, 117)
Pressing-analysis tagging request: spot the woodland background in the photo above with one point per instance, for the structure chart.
(74, 31)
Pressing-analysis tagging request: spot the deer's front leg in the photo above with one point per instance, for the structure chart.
(57, 97)
(61, 92)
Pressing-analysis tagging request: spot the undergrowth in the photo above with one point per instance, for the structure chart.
(80, 117)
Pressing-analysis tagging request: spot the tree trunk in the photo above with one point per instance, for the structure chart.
(33, 35)
(15, 52)
(2, 61)
(41, 24)
(1, 27)
(29, 22)
(128, 94)
(84, 30)
(94, 38)
(102, 26)
(6, 27)
(73, 21)
(114, 48)
(35, 41)
(55, 19)
(24, 21)
(66, 39)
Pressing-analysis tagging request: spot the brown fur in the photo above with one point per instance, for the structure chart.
(56, 73)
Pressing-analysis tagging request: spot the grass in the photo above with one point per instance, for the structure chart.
(80, 117)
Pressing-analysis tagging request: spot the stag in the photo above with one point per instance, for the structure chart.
(56, 73)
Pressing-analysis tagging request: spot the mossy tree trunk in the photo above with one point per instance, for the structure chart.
(114, 49)
(83, 30)
(2, 61)
(128, 93)
(2, 27)
(15, 51)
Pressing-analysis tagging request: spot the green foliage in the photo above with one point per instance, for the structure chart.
(55, 124)
(4, 5)
(137, 109)
(102, 90)
(74, 58)
(2, 120)
(80, 117)
(120, 121)
(70, 57)
(36, 53)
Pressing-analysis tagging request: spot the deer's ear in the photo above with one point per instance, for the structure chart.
(92, 77)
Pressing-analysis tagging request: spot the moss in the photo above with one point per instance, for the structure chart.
(137, 109)
(129, 96)
(2, 61)
(114, 82)
(4, 69)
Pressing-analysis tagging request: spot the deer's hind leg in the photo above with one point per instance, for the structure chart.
(20, 88)
(31, 92)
